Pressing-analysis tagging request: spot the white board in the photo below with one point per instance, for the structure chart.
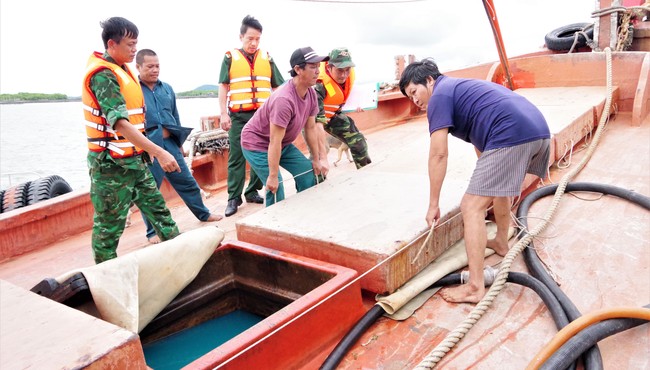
(362, 96)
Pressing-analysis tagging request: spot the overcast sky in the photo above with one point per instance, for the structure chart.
(45, 44)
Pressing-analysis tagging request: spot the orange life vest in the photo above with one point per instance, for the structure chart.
(335, 96)
(100, 134)
(250, 83)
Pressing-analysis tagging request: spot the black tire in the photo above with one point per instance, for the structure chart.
(15, 197)
(47, 188)
(2, 197)
(562, 38)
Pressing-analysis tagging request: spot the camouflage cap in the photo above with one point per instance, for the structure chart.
(341, 58)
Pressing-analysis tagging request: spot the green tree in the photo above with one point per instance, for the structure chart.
(30, 97)
(193, 93)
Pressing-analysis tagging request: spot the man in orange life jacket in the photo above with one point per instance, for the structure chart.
(247, 77)
(334, 85)
(115, 113)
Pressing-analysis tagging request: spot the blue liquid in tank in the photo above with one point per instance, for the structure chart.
(180, 349)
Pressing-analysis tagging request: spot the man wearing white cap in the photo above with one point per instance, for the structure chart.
(267, 139)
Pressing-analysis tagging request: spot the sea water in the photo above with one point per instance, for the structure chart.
(179, 349)
(42, 139)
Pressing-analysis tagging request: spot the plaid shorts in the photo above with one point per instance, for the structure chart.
(501, 172)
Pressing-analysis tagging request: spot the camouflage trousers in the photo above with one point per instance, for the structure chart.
(343, 128)
(115, 183)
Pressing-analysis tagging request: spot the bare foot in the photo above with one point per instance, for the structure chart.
(154, 239)
(498, 247)
(128, 219)
(463, 294)
(213, 218)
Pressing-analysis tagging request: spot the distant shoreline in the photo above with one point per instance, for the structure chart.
(39, 101)
(79, 99)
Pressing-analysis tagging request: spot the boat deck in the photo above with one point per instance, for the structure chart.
(324, 223)
(596, 248)
(582, 248)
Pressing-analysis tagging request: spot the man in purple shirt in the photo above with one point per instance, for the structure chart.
(267, 139)
(512, 138)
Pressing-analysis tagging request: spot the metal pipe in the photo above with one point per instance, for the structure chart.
(494, 23)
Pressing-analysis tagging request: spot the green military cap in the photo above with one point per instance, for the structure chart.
(341, 58)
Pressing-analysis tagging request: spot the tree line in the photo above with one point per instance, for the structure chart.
(30, 97)
(24, 97)
(198, 93)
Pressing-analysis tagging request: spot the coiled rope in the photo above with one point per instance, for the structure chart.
(625, 29)
(615, 9)
(463, 328)
(213, 140)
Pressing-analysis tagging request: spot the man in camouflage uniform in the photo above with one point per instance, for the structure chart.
(333, 88)
(118, 149)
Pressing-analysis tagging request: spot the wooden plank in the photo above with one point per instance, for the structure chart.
(36, 331)
(360, 218)
(571, 112)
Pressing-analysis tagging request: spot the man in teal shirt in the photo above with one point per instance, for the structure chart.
(114, 113)
(163, 127)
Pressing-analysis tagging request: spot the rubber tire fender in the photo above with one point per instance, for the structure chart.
(562, 38)
(15, 197)
(47, 188)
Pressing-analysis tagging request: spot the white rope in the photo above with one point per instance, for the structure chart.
(213, 140)
(430, 361)
(576, 38)
(568, 149)
(291, 178)
(616, 9)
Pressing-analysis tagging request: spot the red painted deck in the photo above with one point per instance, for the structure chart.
(37, 332)
(597, 247)
(324, 223)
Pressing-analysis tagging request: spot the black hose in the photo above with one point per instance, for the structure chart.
(520, 278)
(549, 299)
(551, 302)
(560, 306)
(531, 258)
(586, 338)
(341, 349)
(333, 360)
(592, 358)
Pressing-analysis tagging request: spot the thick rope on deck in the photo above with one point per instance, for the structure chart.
(213, 141)
(463, 328)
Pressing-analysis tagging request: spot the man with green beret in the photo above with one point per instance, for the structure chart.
(333, 89)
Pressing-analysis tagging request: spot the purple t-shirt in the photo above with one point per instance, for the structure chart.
(284, 108)
(484, 113)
